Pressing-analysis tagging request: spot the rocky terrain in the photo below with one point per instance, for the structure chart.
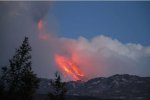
(125, 87)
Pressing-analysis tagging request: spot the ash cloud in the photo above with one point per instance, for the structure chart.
(17, 20)
(99, 56)
(104, 56)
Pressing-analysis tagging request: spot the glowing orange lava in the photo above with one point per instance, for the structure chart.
(68, 67)
(40, 24)
(42, 34)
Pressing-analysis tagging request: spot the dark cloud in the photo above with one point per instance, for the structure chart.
(19, 19)
(39, 9)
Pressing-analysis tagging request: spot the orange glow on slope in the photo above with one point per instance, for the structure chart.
(68, 67)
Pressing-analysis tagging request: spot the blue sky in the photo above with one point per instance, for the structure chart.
(129, 22)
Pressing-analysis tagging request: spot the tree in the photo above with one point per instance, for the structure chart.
(58, 88)
(18, 82)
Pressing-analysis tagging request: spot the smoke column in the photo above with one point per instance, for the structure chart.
(98, 56)
(17, 20)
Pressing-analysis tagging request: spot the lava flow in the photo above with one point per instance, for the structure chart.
(68, 67)
(40, 24)
(42, 34)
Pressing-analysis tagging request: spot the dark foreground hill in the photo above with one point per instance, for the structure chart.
(125, 87)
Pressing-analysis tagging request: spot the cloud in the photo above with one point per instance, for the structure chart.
(104, 56)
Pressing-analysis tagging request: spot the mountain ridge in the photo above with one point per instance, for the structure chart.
(124, 86)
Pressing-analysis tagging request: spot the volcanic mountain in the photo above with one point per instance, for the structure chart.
(124, 87)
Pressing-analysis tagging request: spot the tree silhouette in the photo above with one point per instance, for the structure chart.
(58, 88)
(18, 82)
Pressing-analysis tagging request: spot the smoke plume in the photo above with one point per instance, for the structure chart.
(98, 56)
(104, 56)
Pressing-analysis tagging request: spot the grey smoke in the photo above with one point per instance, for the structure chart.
(105, 56)
(17, 20)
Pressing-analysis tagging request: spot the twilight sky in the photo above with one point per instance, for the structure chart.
(102, 38)
(125, 21)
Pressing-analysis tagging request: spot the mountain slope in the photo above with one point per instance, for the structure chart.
(127, 87)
